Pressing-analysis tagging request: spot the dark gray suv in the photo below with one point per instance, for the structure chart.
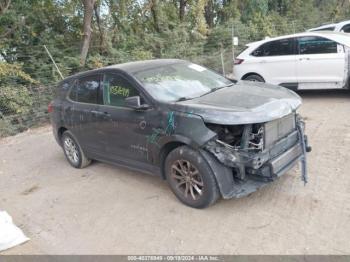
(207, 136)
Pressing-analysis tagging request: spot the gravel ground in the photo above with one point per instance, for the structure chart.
(105, 209)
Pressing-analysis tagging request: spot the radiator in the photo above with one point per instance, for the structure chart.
(278, 129)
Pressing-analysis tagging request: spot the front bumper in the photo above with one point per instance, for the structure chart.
(254, 170)
(279, 165)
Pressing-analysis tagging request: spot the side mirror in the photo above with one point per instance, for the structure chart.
(135, 103)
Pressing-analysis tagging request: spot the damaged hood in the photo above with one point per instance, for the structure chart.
(242, 103)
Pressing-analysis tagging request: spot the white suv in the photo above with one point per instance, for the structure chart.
(338, 27)
(312, 60)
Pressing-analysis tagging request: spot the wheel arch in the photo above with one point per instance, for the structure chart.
(59, 133)
(168, 144)
(164, 152)
(251, 74)
(223, 174)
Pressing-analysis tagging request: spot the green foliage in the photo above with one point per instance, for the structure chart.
(14, 95)
(15, 100)
(13, 71)
(129, 30)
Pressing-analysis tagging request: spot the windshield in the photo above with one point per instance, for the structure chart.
(180, 81)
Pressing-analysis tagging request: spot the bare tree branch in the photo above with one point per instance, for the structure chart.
(4, 5)
(100, 29)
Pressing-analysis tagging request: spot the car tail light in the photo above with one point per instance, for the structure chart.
(238, 61)
(50, 108)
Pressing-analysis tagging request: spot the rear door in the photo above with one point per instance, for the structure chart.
(276, 61)
(82, 113)
(320, 63)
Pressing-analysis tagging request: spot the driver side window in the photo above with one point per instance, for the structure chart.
(115, 89)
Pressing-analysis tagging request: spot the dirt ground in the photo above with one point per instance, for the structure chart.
(105, 209)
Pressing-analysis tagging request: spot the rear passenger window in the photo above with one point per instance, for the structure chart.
(346, 29)
(63, 87)
(325, 29)
(276, 48)
(316, 45)
(115, 89)
(85, 90)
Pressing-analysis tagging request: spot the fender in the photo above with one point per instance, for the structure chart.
(172, 141)
(223, 175)
(177, 139)
(178, 128)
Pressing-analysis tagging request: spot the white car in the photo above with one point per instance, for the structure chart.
(338, 27)
(312, 60)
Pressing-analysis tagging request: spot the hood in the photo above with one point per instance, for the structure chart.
(243, 103)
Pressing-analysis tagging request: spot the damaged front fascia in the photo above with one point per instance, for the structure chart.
(240, 159)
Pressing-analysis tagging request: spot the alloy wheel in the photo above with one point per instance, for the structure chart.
(71, 150)
(187, 179)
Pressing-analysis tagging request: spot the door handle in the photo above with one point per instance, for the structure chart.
(106, 114)
(99, 113)
(95, 112)
(304, 58)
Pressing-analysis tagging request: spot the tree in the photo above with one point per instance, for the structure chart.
(87, 30)
(199, 17)
(182, 8)
(4, 5)
(210, 13)
(100, 27)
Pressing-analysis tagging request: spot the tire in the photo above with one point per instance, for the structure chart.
(73, 152)
(187, 171)
(254, 78)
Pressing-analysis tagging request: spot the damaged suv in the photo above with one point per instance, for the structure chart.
(206, 135)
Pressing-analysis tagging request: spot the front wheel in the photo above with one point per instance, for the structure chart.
(190, 178)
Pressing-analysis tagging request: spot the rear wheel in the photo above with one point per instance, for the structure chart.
(254, 78)
(73, 151)
(190, 178)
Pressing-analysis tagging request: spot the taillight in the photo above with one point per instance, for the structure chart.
(50, 108)
(238, 61)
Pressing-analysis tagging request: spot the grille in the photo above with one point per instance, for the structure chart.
(277, 129)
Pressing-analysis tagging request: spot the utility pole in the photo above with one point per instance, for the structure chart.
(233, 42)
(293, 23)
(222, 60)
(53, 61)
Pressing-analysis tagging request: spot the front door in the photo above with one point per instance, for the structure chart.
(122, 130)
(320, 63)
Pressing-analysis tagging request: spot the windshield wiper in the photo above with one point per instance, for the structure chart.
(211, 91)
(217, 88)
(183, 99)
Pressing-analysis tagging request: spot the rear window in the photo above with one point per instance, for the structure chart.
(346, 29)
(85, 90)
(331, 28)
(276, 48)
(242, 50)
(63, 87)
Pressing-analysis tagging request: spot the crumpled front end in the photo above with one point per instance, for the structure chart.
(259, 153)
